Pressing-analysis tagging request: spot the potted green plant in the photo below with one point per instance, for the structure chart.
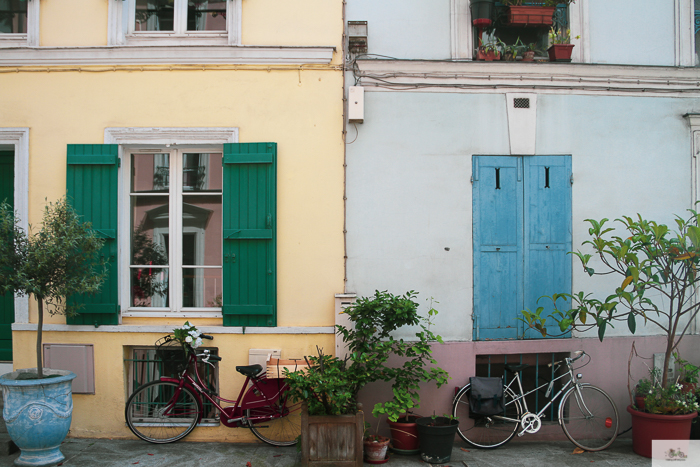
(57, 261)
(331, 385)
(511, 51)
(490, 50)
(532, 13)
(657, 268)
(529, 53)
(560, 47)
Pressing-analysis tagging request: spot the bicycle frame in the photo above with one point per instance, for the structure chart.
(263, 393)
(520, 395)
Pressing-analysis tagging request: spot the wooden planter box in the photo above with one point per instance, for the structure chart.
(537, 16)
(331, 440)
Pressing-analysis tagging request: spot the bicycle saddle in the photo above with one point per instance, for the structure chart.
(249, 370)
(517, 368)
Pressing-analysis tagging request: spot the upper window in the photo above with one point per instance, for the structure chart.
(175, 203)
(19, 23)
(13, 16)
(174, 22)
(517, 28)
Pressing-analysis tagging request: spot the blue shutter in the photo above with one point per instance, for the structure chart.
(522, 234)
(547, 267)
(497, 211)
(92, 191)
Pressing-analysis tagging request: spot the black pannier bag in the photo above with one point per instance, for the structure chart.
(486, 397)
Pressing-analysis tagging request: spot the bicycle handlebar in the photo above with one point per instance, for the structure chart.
(578, 353)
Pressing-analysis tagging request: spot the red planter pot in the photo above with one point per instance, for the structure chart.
(560, 52)
(649, 426)
(489, 56)
(404, 436)
(536, 16)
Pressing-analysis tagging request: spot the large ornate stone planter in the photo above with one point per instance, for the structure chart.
(38, 414)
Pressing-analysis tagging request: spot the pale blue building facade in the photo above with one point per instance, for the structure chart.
(469, 181)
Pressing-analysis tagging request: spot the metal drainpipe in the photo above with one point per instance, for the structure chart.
(345, 166)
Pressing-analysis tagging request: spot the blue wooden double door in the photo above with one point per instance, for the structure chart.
(522, 236)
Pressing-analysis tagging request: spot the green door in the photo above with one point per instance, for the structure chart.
(7, 302)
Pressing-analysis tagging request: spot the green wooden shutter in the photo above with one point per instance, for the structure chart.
(92, 190)
(249, 232)
(7, 301)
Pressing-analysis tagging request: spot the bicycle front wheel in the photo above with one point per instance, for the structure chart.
(486, 432)
(279, 424)
(155, 415)
(589, 417)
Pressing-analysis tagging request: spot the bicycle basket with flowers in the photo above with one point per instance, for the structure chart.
(174, 349)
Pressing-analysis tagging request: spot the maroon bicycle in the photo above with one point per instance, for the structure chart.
(167, 410)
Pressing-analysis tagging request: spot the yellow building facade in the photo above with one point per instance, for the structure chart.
(169, 89)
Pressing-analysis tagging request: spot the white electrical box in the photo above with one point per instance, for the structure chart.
(261, 356)
(356, 104)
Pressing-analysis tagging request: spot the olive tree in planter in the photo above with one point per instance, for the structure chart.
(331, 385)
(657, 274)
(58, 260)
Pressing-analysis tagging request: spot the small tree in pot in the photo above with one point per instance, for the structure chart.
(57, 261)
(658, 273)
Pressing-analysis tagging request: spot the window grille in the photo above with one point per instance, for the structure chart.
(143, 367)
(538, 373)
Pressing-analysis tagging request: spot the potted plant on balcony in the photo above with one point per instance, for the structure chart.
(490, 50)
(482, 12)
(657, 268)
(560, 47)
(331, 384)
(57, 261)
(532, 13)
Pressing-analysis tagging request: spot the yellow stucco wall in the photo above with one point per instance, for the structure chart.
(299, 108)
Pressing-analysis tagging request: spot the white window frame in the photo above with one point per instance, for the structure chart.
(31, 38)
(463, 43)
(121, 27)
(18, 139)
(136, 138)
(172, 231)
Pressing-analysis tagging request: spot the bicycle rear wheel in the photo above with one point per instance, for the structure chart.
(589, 418)
(153, 415)
(482, 431)
(281, 425)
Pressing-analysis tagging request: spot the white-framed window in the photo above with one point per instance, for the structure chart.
(174, 22)
(19, 23)
(173, 240)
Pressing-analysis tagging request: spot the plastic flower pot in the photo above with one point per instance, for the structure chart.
(482, 12)
(650, 426)
(436, 437)
(528, 15)
(38, 414)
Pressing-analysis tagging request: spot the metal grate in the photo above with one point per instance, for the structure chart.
(521, 102)
(537, 374)
(145, 367)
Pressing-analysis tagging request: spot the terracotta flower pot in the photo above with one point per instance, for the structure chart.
(649, 426)
(375, 448)
(560, 52)
(529, 15)
(529, 56)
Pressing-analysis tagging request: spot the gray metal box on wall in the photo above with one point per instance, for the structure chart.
(78, 358)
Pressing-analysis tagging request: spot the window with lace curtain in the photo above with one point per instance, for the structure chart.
(174, 22)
